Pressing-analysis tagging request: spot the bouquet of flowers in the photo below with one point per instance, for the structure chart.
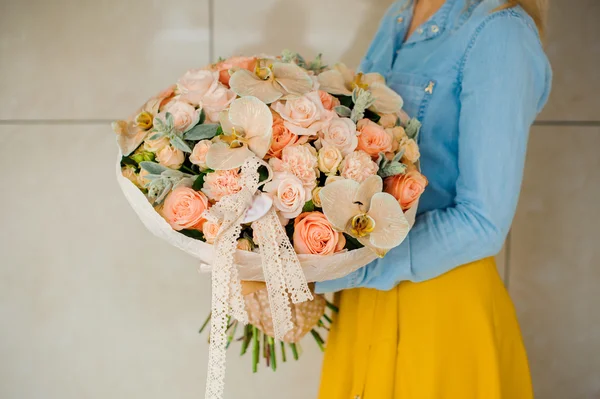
(272, 169)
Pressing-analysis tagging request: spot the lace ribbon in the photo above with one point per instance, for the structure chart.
(283, 274)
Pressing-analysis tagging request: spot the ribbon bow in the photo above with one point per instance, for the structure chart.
(283, 274)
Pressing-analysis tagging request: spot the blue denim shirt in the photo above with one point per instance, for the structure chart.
(476, 78)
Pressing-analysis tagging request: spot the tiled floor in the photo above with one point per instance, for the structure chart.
(92, 306)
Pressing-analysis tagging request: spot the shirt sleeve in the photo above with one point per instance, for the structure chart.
(505, 82)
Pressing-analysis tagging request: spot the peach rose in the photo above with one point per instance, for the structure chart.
(155, 145)
(216, 101)
(388, 120)
(198, 156)
(329, 102)
(183, 208)
(170, 157)
(185, 116)
(313, 234)
(411, 149)
(223, 67)
(128, 172)
(221, 183)
(303, 115)
(373, 138)
(301, 161)
(197, 82)
(358, 166)
(406, 188)
(315, 196)
(340, 133)
(142, 181)
(282, 137)
(329, 159)
(289, 194)
(397, 132)
(200, 87)
(244, 244)
(210, 231)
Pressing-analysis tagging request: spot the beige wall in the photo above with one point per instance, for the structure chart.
(93, 306)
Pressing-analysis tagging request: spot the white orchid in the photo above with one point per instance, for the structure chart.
(364, 212)
(247, 130)
(340, 80)
(271, 81)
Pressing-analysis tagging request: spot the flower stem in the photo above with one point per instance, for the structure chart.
(272, 353)
(246, 338)
(255, 349)
(332, 306)
(205, 323)
(294, 351)
(283, 354)
(231, 334)
(319, 339)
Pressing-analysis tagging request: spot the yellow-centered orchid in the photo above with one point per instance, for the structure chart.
(364, 212)
(340, 80)
(247, 130)
(270, 81)
(132, 132)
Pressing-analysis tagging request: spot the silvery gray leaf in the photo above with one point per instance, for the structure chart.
(170, 120)
(152, 167)
(178, 143)
(382, 160)
(159, 125)
(398, 156)
(413, 126)
(157, 136)
(185, 182)
(343, 111)
(392, 169)
(202, 132)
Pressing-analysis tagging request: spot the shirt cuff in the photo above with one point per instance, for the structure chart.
(352, 280)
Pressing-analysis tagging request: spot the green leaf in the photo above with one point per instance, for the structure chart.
(289, 231)
(345, 101)
(309, 206)
(372, 116)
(197, 234)
(343, 111)
(219, 131)
(352, 243)
(412, 128)
(199, 182)
(178, 143)
(153, 167)
(263, 173)
(128, 161)
(202, 132)
(202, 117)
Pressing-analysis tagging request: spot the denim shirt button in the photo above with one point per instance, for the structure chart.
(400, 20)
(435, 29)
(420, 31)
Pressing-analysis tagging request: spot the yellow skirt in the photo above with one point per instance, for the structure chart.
(453, 337)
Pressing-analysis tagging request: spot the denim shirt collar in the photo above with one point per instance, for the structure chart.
(430, 29)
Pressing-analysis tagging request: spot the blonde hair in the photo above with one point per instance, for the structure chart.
(537, 10)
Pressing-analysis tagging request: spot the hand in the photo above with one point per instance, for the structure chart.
(250, 287)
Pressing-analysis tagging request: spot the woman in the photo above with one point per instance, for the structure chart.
(414, 325)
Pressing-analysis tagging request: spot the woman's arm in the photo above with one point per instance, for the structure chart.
(505, 82)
